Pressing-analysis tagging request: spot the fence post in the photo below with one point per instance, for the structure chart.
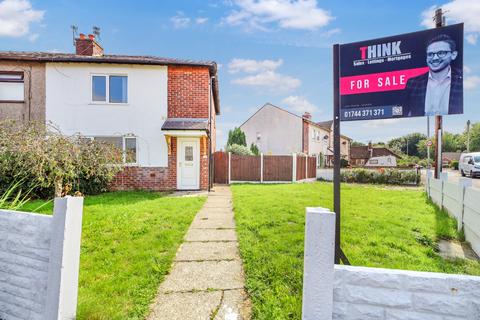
(261, 167)
(306, 167)
(463, 183)
(318, 268)
(294, 167)
(444, 179)
(62, 291)
(229, 167)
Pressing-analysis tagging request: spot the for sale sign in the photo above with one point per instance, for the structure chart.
(408, 75)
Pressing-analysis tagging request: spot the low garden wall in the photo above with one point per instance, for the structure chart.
(346, 292)
(39, 262)
(461, 201)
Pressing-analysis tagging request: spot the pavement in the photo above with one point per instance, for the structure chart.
(206, 280)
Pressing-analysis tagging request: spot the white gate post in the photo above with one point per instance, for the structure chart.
(463, 184)
(261, 167)
(318, 269)
(229, 167)
(294, 167)
(62, 289)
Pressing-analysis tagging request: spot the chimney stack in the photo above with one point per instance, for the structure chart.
(88, 46)
(307, 116)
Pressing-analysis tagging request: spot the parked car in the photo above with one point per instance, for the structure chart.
(470, 164)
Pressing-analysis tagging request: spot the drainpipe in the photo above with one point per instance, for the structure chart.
(210, 88)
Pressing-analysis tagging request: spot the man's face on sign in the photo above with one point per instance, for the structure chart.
(440, 55)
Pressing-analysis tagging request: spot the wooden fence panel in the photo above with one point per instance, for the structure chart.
(277, 168)
(312, 167)
(245, 168)
(220, 167)
(301, 165)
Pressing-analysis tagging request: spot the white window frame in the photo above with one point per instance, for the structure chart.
(107, 89)
(12, 81)
(124, 158)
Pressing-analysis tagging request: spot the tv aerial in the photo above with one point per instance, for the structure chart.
(74, 32)
(96, 32)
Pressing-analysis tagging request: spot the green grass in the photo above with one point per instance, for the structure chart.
(388, 228)
(129, 240)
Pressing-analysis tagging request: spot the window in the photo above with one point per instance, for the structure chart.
(109, 88)
(11, 86)
(373, 161)
(128, 146)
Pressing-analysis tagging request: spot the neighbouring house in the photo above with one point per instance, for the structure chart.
(448, 157)
(161, 112)
(277, 131)
(369, 156)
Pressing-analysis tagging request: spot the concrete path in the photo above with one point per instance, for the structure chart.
(206, 281)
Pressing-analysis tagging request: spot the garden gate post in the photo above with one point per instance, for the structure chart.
(318, 268)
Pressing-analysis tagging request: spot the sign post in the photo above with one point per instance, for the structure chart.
(439, 22)
(396, 77)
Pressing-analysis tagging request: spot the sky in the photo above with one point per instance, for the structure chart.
(276, 51)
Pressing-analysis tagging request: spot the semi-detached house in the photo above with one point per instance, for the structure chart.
(160, 112)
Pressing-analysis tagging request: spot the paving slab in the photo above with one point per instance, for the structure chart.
(235, 305)
(456, 250)
(196, 251)
(211, 235)
(209, 222)
(188, 305)
(205, 275)
(214, 211)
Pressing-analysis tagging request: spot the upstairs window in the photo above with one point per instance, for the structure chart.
(11, 87)
(109, 89)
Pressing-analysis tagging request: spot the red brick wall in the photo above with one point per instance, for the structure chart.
(149, 178)
(188, 92)
(305, 137)
(204, 164)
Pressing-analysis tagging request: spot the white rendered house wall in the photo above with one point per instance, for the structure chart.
(69, 106)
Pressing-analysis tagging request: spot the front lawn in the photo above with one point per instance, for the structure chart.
(388, 228)
(129, 240)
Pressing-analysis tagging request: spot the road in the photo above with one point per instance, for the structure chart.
(454, 175)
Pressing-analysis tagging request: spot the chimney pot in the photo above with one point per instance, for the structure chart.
(91, 37)
(307, 116)
(82, 36)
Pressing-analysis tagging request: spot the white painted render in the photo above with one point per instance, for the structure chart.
(384, 161)
(274, 131)
(316, 142)
(69, 106)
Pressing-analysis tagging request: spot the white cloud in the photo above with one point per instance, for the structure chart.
(472, 38)
(379, 123)
(253, 66)
(271, 80)
(466, 11)
(299, 104)
(180, 21)
(262, 74)
(467, 69)
(471, 82)
(16, 17)
(201, 20)
(286, 14)
(33, 37)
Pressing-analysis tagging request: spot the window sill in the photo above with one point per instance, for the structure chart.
(12, 101)
(108, 104)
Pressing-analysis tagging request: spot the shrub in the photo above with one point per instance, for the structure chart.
(239, 149)
(343, 163)
(254, 149)
(48, 162)
(381, 176)
(454, 164)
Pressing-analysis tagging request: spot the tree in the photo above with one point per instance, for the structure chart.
(407, 143)
(254, 149)
(236, 136)
(357, 144)
(474, 137)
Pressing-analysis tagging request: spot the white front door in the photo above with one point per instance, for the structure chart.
(188, 164)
